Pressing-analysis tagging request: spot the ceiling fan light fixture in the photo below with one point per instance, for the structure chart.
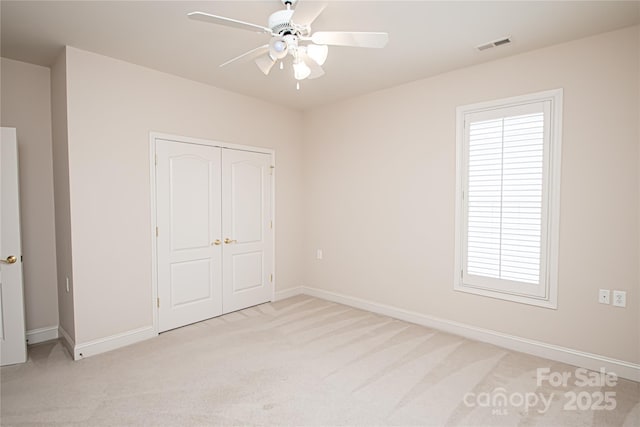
(318, 53)
(279, 46)
(301, 70)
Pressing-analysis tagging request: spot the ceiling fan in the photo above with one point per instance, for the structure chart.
(290, 31)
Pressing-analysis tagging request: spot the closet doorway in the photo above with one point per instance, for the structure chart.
(213, 229)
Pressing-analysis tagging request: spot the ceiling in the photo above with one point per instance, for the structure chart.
(425, 38)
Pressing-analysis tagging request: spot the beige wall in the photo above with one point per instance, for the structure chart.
(371, 181)
(26, 105)
(380, 187)
(112, 107)
(61, 193)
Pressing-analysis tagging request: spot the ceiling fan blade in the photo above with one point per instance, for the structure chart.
(307, 11)
(347, 38)
(265, 63)
(316, 69)
(228, 22)
(248, 56)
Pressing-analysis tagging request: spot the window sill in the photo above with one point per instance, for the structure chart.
(548, 302)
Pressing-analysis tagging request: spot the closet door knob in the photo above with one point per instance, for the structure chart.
(11, 259)
(217, 242)
(228, 240)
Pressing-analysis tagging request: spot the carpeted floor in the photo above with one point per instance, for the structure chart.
(305, 361)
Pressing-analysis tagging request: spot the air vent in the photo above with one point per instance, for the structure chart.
(494, 43)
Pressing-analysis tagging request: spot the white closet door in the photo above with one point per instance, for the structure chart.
(246, 229)
(13, 347)
(188, 243)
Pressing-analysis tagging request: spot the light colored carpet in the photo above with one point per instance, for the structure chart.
(301, 361)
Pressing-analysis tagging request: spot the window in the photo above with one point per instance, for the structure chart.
(507, 204)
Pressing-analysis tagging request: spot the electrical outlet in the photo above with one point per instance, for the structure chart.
(604, 296)
(619, 298)
(319, 254)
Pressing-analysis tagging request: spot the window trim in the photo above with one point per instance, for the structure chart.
(547, 298)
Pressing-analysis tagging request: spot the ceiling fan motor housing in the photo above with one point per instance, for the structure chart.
(280, 22)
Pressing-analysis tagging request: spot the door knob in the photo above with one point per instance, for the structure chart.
(228, 240)
(11, 259)
(217, 242)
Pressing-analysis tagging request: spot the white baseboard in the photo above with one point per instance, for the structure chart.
(112, 342)
(68, 342)
(35, 336)
(288, 293)
(570, 356)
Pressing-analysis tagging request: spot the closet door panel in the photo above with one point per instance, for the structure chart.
(247, 233)
(188, 182)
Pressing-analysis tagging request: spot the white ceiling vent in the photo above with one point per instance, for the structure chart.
(494, 43)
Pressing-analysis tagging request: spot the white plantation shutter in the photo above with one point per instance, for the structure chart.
(504, 198)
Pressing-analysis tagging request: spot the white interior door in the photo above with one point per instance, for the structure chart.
(188, 237)
(13, 346)
(247, 258)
